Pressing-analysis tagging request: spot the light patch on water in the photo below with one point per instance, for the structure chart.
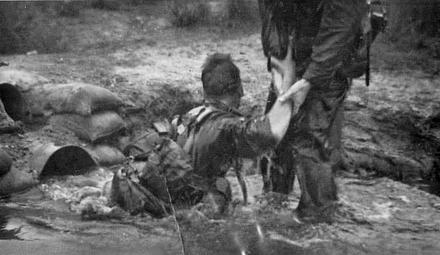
(82, 192)
(305, 243)
(384, 211)
(26, 231)
(259, 231)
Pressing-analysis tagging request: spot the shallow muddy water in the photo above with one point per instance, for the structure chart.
(48, 220)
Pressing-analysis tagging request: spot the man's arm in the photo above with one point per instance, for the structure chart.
(283, 75)
(254, 136)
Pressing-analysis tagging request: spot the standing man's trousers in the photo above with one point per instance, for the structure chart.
(311, 149)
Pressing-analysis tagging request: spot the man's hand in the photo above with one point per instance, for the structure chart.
(297, 93)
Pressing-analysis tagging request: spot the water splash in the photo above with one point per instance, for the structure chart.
(238, 243)
(259, 232)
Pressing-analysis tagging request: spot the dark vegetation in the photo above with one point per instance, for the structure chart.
(185, 13)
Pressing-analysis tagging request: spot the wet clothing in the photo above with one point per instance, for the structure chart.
(216, 136)
(324, 35)
(161, 173)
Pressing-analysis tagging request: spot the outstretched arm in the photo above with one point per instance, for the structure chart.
(257, 135)
(283, 75)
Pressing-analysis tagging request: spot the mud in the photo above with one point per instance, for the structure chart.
(156, 72)
(49, 219)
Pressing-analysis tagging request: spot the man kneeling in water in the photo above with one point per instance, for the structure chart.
(214, 136)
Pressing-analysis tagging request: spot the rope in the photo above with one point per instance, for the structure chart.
(173, 210)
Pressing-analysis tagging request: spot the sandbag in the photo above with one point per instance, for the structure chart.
(17, 180)
(106, 155)
(90, 128)
(5, 162)
(79, 98)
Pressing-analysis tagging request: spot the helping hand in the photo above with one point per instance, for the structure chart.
(297, 93)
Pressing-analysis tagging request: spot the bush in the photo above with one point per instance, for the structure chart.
(187, 13)
(410, 22)
(242, 10)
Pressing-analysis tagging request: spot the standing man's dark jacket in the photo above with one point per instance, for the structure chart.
(325, 34)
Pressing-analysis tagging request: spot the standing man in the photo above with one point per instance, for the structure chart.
(324, 34)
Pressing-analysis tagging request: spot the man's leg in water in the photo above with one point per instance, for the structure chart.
(317, 145)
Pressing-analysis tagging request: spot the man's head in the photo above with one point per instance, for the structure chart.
(221, 79)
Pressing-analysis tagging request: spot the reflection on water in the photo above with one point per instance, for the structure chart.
(7, 234)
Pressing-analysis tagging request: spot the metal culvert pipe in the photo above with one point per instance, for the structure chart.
(12, 100)
(50, 160)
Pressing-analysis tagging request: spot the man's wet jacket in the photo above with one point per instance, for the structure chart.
(210, 139)
(216, 136)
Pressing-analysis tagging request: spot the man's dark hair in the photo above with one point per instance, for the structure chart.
(220, 76)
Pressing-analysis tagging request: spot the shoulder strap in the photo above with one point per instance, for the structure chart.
(189, 126)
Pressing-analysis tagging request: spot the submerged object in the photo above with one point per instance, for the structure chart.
(49, 159)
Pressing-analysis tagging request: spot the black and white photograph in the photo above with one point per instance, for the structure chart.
(219, 127)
